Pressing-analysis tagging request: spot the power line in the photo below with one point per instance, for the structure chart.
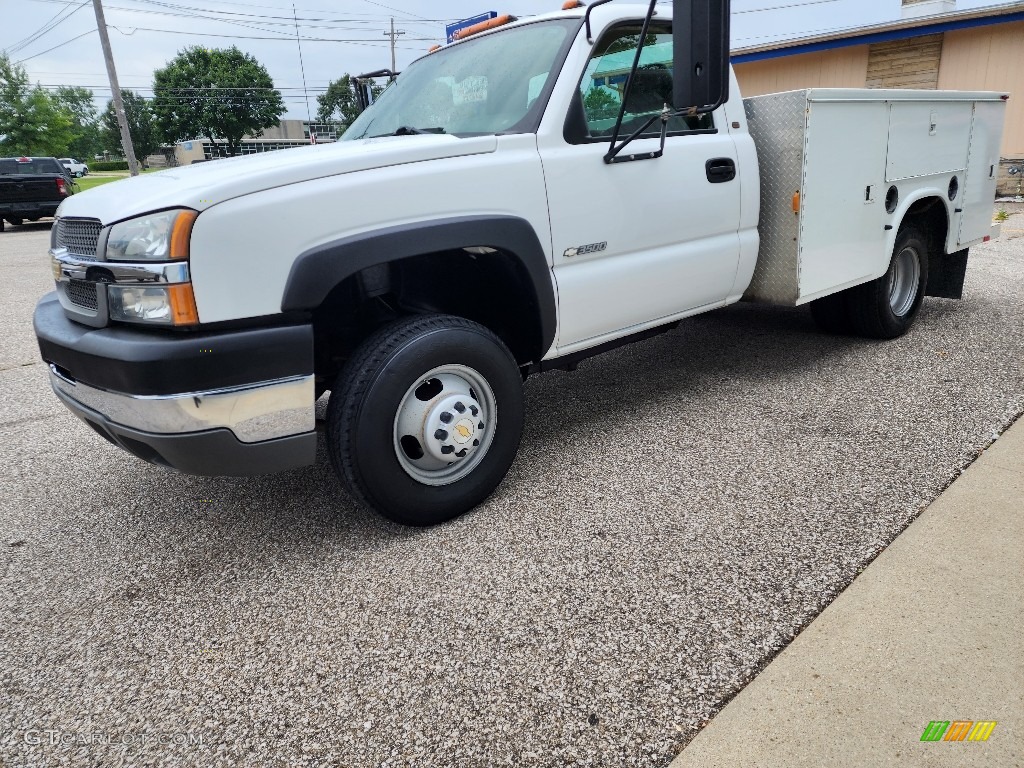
(396, 10)
(59, 45)
(257, 37)
(46, 28)
(279, 8)
(371, 18)
(191, 11)
(38, 33)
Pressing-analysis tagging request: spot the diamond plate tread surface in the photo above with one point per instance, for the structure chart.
(777, 124)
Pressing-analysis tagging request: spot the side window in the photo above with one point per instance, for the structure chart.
(604, 82)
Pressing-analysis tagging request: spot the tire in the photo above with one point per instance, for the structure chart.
(832, 313)
(886, 308)
(79, 175)
(421, 391)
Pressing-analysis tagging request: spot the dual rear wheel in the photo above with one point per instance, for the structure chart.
(884, 308)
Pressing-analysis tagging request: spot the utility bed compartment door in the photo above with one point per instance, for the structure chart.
(927, 138)
(980, 184)
(842, 221)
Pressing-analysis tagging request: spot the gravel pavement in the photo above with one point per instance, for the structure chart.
(680, 509)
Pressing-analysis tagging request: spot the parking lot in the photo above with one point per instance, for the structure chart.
(680, 509)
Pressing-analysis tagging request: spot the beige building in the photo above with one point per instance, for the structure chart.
(286, 134)
(934, 45)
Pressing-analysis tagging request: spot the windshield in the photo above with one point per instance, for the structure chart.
(489, 84)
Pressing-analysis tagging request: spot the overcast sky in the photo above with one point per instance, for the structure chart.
(338, 36)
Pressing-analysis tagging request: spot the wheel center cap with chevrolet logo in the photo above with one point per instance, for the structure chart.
(463, 432)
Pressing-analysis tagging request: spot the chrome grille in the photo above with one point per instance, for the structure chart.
(79, 236)
(83, 294)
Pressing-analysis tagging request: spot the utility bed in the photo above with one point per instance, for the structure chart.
(835, 164)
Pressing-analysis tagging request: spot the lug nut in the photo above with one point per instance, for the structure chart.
(446, 449)
(462, 454)
(446, 417)
(440, 435)
(476, 443)
(460, 408)
(474, 410)
(480, 425)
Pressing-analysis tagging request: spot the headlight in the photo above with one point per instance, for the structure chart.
(161, 304)
(160, 236)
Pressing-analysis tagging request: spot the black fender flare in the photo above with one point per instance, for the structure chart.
(319, 270)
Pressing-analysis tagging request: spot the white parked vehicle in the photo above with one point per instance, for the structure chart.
(514, 202)
(78, 170)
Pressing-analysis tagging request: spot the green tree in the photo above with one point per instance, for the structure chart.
(31, 122)
(141, 124)
(339, 104)
(216, 94)
(78, 103)
(601, 104)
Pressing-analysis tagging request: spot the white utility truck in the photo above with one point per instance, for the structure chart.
(536, 192)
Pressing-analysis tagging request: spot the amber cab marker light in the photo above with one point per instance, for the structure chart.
(568, 5)
(796, 203)
(183, 304)
(180, 234)
(483, 26)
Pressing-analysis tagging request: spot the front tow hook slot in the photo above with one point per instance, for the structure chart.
(63, 374)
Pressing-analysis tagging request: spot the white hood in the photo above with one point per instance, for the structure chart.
(207, 184)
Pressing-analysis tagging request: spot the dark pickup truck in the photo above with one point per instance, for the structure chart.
(31, 187)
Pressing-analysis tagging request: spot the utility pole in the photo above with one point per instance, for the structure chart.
(392, 34)
(122, 119)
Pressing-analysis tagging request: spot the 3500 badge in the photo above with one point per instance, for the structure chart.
(583, 250)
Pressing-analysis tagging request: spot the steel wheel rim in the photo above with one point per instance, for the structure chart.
(904, 281)
(424, 420)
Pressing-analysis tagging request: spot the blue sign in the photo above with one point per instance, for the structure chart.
(451, 29)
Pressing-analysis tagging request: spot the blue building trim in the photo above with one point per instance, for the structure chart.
(877, 37)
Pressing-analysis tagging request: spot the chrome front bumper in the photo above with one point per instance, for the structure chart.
(253, 414)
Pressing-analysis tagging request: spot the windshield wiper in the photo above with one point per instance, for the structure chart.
(408, 130)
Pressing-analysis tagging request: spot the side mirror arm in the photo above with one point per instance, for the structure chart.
(613, 153)
(614, 150)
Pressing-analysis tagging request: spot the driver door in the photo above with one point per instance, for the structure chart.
(639, 242)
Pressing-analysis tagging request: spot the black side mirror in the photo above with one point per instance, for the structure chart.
(576, 129)
(700, 39)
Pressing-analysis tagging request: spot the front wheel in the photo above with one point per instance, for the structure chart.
(886, 308)
(425, 419)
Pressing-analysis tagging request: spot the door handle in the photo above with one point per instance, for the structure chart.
(720, 170)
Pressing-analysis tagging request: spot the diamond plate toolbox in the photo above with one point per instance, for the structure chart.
(778, 125)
